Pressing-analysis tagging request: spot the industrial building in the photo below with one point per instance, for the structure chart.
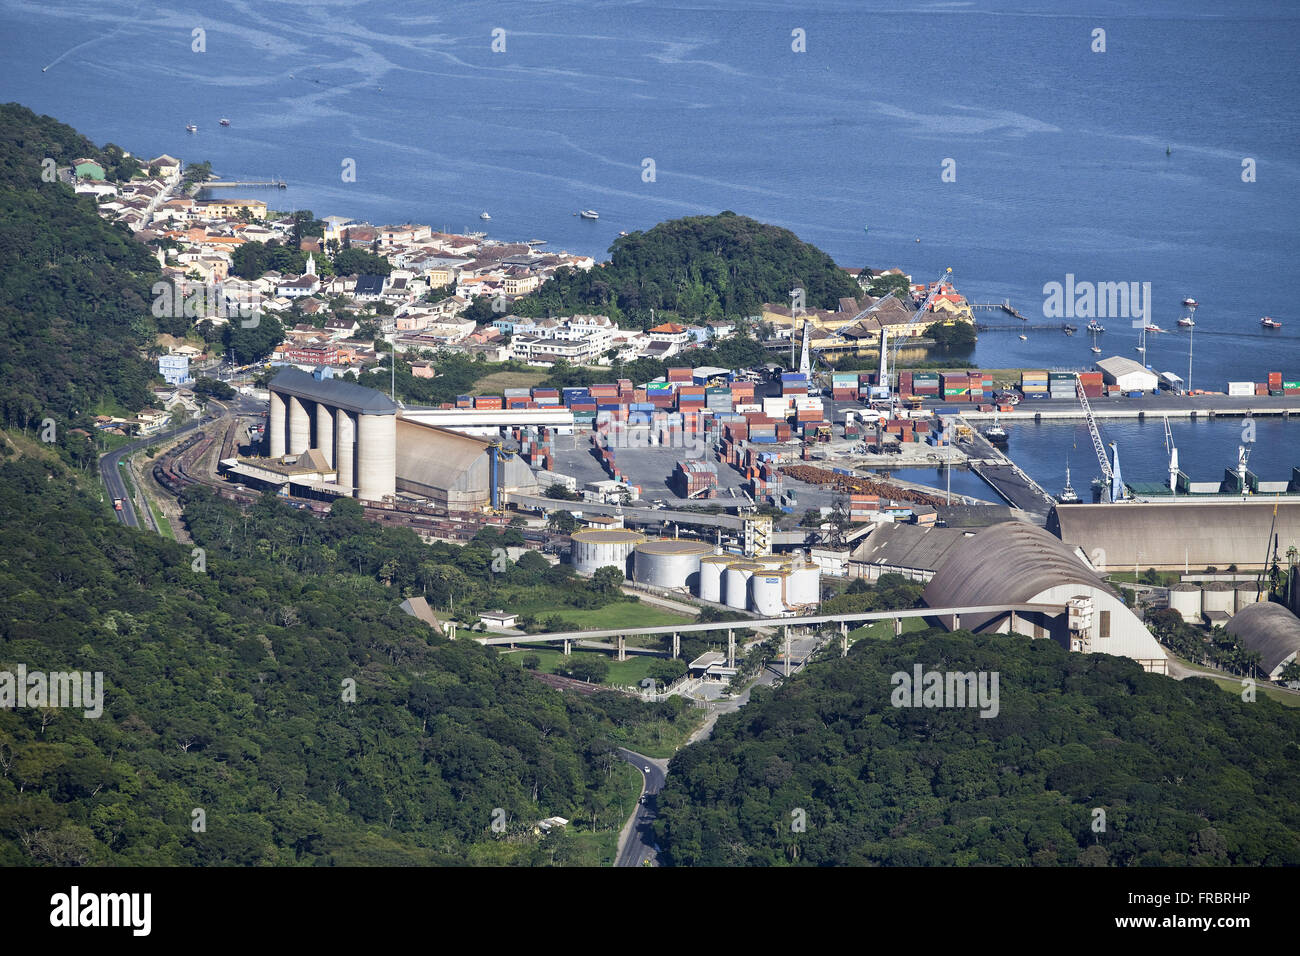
(336, 437)
(1127, 374)
(914, 551)
(1019, 563)
(671, 563)
(1272, 631)
(595, 548)
(1178, 536)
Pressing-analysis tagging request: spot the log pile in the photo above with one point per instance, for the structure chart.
(854, 485)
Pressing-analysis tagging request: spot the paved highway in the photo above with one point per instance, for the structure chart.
(636, 843)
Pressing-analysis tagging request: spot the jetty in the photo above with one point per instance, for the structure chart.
(247, 184)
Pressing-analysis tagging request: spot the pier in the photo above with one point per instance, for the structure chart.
(247, 184)
(1148, 406)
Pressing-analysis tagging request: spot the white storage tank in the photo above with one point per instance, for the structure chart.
(595, 548)
(735, 584)
(712, 567)
(1218, 596)
(767, 592)
(669, 562)
(1248, 593)
(1186, 600)
(804, 587)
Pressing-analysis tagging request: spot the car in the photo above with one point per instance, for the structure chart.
(647, 769)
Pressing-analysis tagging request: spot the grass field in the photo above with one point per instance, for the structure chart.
(497, 382)
(622, 673)
(164, 526)
(1285, 698)
(618, 614)
(884, 630)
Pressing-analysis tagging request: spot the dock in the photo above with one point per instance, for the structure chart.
(1006, 478)
(1190, 407)
(247, 184)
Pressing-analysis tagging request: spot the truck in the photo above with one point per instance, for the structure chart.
(117, 504)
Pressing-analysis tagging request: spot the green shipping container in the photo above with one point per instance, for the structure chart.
(1291, 384)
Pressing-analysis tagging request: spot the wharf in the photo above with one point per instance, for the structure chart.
(1005, 477)
(1154, 406)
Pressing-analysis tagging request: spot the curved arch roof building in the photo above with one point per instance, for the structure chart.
(1019, 563)
(1271, 630)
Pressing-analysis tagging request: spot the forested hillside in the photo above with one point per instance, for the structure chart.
(74, 290)
(225, 693)
(701, 267)
(1185, 774)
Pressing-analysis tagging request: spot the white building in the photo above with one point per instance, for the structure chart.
(1127, 374)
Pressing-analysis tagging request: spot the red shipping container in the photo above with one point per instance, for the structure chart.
(1274, 379)
(1261, 388)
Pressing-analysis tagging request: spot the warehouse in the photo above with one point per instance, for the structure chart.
(1272, 631)
(1127, 374)
(1019, 563)
(914, 551)
(1178, 535)
(455, 471)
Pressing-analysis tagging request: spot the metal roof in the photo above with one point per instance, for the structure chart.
(1270, 629)
(1175, 534)
(346, 395)
(1009, 562)
(675, 546)
(907, 546)
(608, 536)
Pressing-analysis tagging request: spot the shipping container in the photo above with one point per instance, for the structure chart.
(1238, 389)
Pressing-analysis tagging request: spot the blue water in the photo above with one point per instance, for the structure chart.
(1059, 151)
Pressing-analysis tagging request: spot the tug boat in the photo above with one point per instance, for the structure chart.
(1268, 323)
(1068, 495)
(1187, 322)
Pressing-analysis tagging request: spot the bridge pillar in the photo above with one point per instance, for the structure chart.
(731, 648)
(622, 648)
(844, 644)
(898, 627)
(677, 646)
(786, 631)
(1012, 629)
(956, 622)
(568, 647)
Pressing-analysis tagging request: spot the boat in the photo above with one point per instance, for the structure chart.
(536, 242)
(1068, 495)
(624, 232)
(589, 214)
(224, 121)
(1070, 329)
(995, 433)
(1024, 338)
(1187, 322)
(191, 128)
(1189, 302)
(1096, 350)
(484, 215)
(1268, 323)
(1095, 326)
(1153, 328)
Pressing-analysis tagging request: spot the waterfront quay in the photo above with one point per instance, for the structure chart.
(1155, 406)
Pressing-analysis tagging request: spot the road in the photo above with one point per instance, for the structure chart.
(636, 842)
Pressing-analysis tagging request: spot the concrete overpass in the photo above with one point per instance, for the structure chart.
(841, 620)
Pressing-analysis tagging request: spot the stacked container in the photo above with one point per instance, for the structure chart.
(1033, 384)
(1060, 385)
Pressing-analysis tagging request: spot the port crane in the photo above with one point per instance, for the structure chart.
(887, 373)
(1109, 490)
(1173, 458)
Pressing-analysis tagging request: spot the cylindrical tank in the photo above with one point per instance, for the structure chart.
(712, 567)
(1218, 596)
(345, 442)
(595, 548)
(735, 584)
(277, 425)
(299, 426)
(1247, 593)
(325, 431)
(1186, 600)
(804, 586)
(376, 456)
(767, 592)
(773, 562)
(669, 562)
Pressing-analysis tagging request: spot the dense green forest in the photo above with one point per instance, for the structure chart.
(1185, 774)
(700, 267)
(225, 692)
(74, 289)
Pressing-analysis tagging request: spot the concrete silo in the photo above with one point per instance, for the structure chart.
(595, 548)
(376, 456)
(1186, 600)
(735, 584)
(1218, 596)
(767, 592)
(1248, 593)
(712, 567)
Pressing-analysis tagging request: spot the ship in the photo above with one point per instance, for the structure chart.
(484, 215)
(1189, 302)
(589, 214)
(1187, 322)
(1153, 328)
(1068, 495)
(191, 128)
(995, 433)
(224, 121)
(1268, 323)
(1024, 338)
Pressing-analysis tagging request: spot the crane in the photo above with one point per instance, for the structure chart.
(886, 370)
(1173, 457)
(1096, 439)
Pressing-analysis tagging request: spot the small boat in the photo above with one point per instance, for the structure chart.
(1068, 495)
(1095, 350)
(191, 128)
(1024, 338)
(1189, 302)
(1268, 323)
(1153, 328)
(1070, 329)
(1095, 326)
(224, 121)
(589, 214)
(1187, 322)
(995, 433)
(484, 215)
(624, 232)
(1140, 348)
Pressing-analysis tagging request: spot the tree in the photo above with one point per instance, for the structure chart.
(531, 662)
(607, 580)
(591, 668)
(561, 493)
(666, 671)
(882, 286)
(956, 336)
(562, 521)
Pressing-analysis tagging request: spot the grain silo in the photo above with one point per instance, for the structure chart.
(595, 548)
(1218, 596)
(735, 584)
(804, 587)
(669, 563)
(712, 567)
(767, 592)
(1248, 593)
(1186, 600)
